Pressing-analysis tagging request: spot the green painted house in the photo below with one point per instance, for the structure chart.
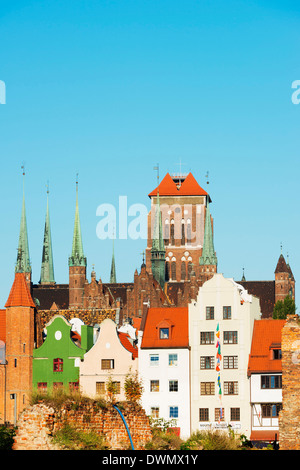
(56, 362)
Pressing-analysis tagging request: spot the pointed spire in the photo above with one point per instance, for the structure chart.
(113, 278)
(77, 257)
(158, 247)
(23, 259)
(208, 253)
(47, 269)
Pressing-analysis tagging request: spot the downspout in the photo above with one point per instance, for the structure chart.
(127, 429)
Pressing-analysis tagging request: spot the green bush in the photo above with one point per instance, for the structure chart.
(212, 440)
(70, 438)
(6, 437)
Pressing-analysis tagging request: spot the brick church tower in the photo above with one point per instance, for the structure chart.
(77, 264)
(187, 228)
(19, 347)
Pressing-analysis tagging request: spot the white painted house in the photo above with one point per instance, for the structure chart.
(265, 373)
(220, 334)
(164, 366)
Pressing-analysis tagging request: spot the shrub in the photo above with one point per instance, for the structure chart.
(70, 438)
(212, 440)
(6, 437)
(133, 387)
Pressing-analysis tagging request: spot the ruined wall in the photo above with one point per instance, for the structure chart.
(37, 424)
(289, 417)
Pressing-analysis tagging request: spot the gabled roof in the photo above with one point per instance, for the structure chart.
(19, 294)
(124, 339)
(175, 318)
(189, 187)
(266, 335)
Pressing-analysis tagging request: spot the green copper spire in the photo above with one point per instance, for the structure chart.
(23, 259)
(113, 278)
(158, 247)
(47, 269)
(77, 257)
(208, 253)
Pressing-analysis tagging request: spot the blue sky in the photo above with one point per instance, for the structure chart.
(108, 89)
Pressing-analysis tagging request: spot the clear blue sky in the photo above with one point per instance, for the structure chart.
(110, 88)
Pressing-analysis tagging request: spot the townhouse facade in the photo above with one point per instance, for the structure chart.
(220, 334)
(164, 367)
(265, 374)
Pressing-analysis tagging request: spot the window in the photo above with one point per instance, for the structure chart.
(154, 385)
(271, 381)
(100, 388)
(271, 410)
(276, 353)
(235, 414)
(183, 270)
(164, 333)
(154, 359)
(42, 386)
(203, 414)
(226, 313)
(210, 313)
(73, 386)
(230, 362)
(182, 233)
(219, 414)
(117, 387)
(207, 337)
(207, 362)
(154, 412)
(230, 388)
(172, 235)
(230, 337)
(173, 385)
(173, 360)
(107, 364)
(58, 385)
(173, 270)
(58, 365)
(207, 388)
(173, 412)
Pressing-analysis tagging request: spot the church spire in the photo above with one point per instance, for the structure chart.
(208, 253)
(158, 247)
(113, 278)
(77, 257)
(23, 258)
(47, 269)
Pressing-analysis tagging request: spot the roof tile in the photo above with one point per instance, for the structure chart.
(19, 294)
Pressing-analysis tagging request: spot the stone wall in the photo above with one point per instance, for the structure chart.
(289, 417)
(38, 423)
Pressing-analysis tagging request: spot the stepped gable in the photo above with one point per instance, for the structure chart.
(19, 294)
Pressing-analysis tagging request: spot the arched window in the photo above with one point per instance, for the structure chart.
(167, 232)
(189, 232)
(58, 365)
(167, 271)
(183, 270)
(172, 233)
(173, 270)
(190, 267)
(182, 233)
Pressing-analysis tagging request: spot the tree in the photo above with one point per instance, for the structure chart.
(133, 387)
(284, 308)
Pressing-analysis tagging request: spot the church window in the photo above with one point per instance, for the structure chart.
(173, 270)
(182, 233)
(172, 233)
(183, 271)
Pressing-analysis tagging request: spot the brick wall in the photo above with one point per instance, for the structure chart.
(37, 423)
(289, 417)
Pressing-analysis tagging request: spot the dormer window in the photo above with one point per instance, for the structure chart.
(275, 351)
(164, 329)
(164, 333)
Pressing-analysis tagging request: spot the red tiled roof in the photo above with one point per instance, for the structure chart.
(128, 345)
(3, 325)
(174, 318)
(266, 333)
(19, 294)
(189, 187)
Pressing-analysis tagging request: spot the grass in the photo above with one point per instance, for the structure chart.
(70, 438)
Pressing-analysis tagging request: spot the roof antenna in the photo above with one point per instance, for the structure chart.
(157, 169)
